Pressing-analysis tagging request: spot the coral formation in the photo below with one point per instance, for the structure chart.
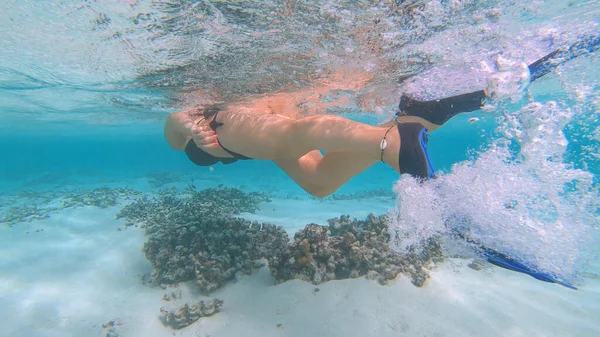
(174, 295)
(99, 197)
(196, 237)
(33, 205)
(111, 328)
(23, 213)
(234, 246)
(370, 194)
(188, 314)
(191, 206)
(349, 249)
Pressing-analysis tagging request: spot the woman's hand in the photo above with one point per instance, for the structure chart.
(184, 125)
(203, 135)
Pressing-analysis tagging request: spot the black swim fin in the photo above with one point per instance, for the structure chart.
(504, 261)
(439, 111)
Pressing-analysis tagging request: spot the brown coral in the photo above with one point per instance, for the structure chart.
(349, 249)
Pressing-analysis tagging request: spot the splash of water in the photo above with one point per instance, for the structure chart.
(531, 205)
(510, 81)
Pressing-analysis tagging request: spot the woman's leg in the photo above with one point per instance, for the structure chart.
(317, 174)
(271, 136)
(322, 175)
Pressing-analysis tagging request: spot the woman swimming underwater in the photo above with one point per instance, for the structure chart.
(270, 128)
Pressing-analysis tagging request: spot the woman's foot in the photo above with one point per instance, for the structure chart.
(406, 151)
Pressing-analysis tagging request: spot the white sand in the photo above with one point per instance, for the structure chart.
(81, 272)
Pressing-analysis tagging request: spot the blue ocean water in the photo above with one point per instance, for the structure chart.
(86, 102)
(85, 88)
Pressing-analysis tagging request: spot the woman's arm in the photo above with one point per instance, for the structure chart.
(175, 131)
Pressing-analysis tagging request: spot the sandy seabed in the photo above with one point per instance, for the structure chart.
(81, 272)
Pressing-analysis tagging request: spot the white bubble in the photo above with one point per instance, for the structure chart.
(510, 81)
(532, 206)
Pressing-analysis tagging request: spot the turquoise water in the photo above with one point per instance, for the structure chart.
(85, 87)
